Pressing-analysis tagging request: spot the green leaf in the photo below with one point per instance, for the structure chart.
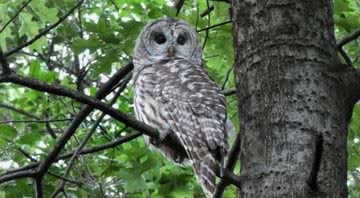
(44, 13)
(28, 26)
(7, 132)
(35, 70)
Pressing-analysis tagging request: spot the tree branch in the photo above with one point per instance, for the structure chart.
(229, 92)
(4, 64)
(345, 56)
(45, 31)
(35, 121)
(228, 72)
(62, 91)
(88, 136)
(16, 14)
(230, 165)
(85, 151)
(20, 111)
(103, 91)
(214, 26)
(39, 188)
(343, 41)
(5, 106)
(207, 11)
(178, 5)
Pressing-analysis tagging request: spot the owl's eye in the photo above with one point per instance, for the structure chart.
(160, 38)
(181, 40)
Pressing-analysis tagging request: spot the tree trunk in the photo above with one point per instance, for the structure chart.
(294, 102)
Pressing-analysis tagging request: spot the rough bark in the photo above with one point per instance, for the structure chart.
(294, 101)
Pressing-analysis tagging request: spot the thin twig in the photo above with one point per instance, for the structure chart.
(208, 24)
(62, 91)
(103, 91)
(229, 92)
(35, 121)
(114, 4)
(16, 14)
(207, 11)
(178, 5)
(115, 143)
(214, 26)
(44, 31)
(78, 183)
(225, 1)
(228, 72)
(345, 56)
(25, 113)
(88, 136)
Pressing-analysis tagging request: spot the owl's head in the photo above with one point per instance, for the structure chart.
(165, 39)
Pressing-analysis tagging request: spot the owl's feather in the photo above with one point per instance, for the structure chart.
(178, 97)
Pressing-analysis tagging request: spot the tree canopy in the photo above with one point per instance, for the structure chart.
(79, 45)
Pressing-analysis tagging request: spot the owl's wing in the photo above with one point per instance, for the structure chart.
(196, 112)
(189, 95)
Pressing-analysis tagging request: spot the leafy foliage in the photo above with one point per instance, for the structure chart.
(81, 54)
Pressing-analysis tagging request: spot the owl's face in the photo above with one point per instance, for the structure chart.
(167, 38)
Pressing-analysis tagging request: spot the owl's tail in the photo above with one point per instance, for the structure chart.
(205, 171)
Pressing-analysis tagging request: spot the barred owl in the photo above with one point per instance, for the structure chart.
(174, 94)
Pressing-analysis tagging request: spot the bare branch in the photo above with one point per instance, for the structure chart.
(207, 11)
(5, 106)
(230, 164)
(343, 41)
(16, 14)
(229, 92)
(114, 4)
(62, 91)
(103, 91)
(225, 1)
(44, 31)
(4, 64)
(345, 56)
(228, 72)
(39, 188)
(208, 24)
(85, 151)
(214, 26)
(17, 175)
(49, 129)
(88, 136)
(178, 5)
(35, 121)
(78, 183)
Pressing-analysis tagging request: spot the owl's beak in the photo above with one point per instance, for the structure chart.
(171, 51)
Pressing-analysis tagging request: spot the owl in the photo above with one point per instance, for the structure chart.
(174, 93)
